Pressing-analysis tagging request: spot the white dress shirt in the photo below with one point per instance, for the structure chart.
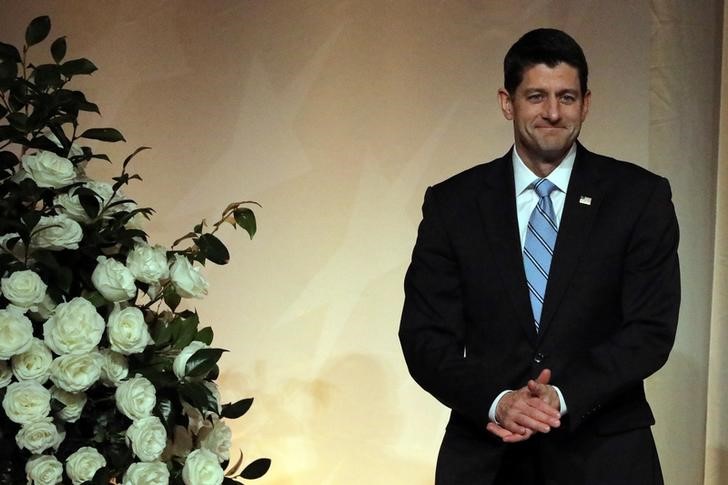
(526, 201)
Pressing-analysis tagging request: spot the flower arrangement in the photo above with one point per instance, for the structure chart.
(104, 378)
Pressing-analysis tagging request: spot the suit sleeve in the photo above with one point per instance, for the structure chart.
(650, 300)
(432, 328)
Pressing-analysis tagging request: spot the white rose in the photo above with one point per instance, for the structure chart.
(218, 439)
(48, 169)
(114, 368)
(147, 437)
(24, 289)
(83, 464)
(26, 402)
(127, 331)
(39, 436)
(33, 364)
(136, 397)
(44, 470)
(56, 233)
(180, 362)
(202, 468)
(76, 373)
(73, 403)
(6, 374)
(16, 331)
(74, 328)
(148, 264)
(154, 473)
(187, 279)
(113, 280)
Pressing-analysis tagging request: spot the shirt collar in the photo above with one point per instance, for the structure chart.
(559, 177)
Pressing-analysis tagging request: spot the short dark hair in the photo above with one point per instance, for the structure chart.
(543, 46)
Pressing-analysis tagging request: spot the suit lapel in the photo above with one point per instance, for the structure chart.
(584, 195)
(498, 211)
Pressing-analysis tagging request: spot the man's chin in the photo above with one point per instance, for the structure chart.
(554, 154)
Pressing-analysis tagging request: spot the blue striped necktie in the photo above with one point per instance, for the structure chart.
(538, 248)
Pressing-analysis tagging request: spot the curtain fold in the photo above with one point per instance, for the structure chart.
(685, 60)
(716, 443)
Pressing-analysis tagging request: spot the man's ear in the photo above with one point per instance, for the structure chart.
(585, 105)
(506, 103)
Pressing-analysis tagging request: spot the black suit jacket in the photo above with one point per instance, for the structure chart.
(608, 321)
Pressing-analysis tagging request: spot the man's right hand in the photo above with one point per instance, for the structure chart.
(528, 410)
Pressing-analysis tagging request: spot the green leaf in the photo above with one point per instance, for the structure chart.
(245, 218)
(256, 469)
(184, 329)
(9, 53)
(213, 249)
(202, 362)
(237, 409)
(103, 134)
(102, 476)
(161, 333)
(165, 411)
(3, 111)
(47, 76)
(8, 159)
(205, 335)
(58, 49)
(77, 66)
(19, 121)
(171, 298)
(30, 219)
(128, 159)
(37, 30)
(90, 201)
(199, 396)
(64, 279)
(8, 70)
(96, 299)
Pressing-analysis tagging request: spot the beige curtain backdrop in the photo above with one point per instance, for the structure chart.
(716, 452)
(336, 115)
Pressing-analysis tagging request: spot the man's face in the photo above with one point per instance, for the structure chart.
(547, 111)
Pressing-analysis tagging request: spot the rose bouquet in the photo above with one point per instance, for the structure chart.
(104, 377)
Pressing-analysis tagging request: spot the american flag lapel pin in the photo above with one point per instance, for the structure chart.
(585, 200)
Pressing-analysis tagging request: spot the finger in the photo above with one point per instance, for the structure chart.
(506, 435)
(497, 430)
(516, 438)
(539, 411)
(538, 404)
(534, 424)
(544, 377)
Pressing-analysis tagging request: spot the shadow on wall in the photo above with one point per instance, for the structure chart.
(341, 427)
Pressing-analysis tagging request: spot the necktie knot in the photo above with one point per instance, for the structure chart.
(543, 187)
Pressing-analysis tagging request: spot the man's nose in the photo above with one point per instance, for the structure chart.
(551, 109)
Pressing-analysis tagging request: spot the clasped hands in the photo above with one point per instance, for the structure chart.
(534, 408)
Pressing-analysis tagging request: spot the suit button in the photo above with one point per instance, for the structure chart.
(538, 358)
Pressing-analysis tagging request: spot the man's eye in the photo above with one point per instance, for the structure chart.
(534, 98)
(568, 99)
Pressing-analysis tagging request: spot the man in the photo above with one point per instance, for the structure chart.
(543, 289)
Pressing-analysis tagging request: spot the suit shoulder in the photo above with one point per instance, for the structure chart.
(468, 182)
(625, 172)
